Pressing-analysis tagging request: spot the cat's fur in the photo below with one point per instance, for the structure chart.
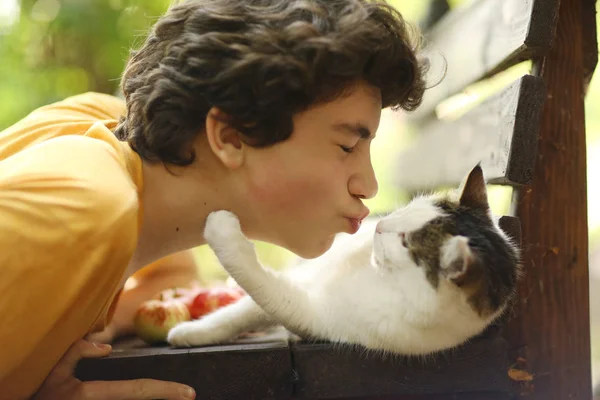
(425, 278)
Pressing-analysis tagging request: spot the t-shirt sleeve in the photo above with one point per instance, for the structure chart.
(68, 227)
(72, 116)
(86, 106)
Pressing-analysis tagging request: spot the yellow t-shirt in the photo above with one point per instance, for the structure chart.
(69, 217)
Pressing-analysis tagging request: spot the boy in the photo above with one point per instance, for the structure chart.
(266, 108)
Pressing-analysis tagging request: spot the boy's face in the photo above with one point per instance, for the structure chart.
(301, 192)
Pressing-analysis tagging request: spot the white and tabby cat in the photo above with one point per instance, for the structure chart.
(425, 278)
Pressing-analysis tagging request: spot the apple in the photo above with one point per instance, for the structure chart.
(201, 301)
(154, 319)
(179, 292)
(211, 299)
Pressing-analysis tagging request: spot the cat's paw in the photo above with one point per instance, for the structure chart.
(221, 226)
(191, 333)
(179, 336)
(223, 234)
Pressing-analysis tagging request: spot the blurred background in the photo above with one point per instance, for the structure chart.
(51, 49)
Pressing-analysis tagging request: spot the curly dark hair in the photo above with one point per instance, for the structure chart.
(260, 62)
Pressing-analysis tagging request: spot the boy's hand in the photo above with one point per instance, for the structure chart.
(62, 385)
(107, 335)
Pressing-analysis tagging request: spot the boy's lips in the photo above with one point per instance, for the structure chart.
(356, 220)
(354, 225)
(361, 215)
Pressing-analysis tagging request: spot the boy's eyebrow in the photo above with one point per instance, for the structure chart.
(357, 128)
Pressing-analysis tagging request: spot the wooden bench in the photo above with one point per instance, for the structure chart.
(278, 366)
(528, 135)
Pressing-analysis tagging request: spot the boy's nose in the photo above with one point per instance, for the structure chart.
(363, 185)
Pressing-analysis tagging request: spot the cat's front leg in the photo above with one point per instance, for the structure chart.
(284, 300)
(220, 326)
(200, 333)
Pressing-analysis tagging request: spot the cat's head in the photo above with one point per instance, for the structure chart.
(454, 240)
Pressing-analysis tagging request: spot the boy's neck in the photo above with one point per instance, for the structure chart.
(174, 207)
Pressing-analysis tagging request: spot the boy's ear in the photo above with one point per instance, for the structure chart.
(224, 141)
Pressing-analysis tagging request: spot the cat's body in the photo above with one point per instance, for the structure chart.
(412, 283)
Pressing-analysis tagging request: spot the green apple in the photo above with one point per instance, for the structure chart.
(154, 319)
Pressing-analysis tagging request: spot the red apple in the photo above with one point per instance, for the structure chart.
(181, 293)
(155, 318)
(185, 295)
(212, 299)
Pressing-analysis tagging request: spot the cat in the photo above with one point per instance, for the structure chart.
(425, 278)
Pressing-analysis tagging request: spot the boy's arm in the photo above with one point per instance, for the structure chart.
(68, 223)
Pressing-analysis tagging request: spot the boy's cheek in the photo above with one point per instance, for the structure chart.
(278, 187)
(300, 198)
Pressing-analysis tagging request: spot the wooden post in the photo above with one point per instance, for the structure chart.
(550, 334)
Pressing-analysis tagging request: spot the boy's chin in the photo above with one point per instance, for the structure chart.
(312, 248)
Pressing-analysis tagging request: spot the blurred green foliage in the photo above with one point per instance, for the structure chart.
(57, 48)
(51, 49)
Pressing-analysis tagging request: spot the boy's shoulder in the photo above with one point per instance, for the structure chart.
(74, 184)
(89, 105)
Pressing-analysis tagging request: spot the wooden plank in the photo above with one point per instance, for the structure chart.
(253, 370)
(501, 133)
(327, 371)
(446, 396)
(550, 331)
(482, 38)
(590, 41)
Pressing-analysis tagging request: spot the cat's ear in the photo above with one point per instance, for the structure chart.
(456, 259)
(474, 191)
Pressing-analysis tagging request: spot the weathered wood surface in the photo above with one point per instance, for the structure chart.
(482, 38)
(328, 372)
(294, 369)
(550, 330)
(447, 396)
(501, 133)
(590, 40)
(244, 371)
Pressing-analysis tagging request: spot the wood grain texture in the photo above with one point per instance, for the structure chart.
(327, 371)
(481, 39)
(446, 396)
(590, 40)
(285, 369)
(501, 133)
(247, 371)
(549, 334)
